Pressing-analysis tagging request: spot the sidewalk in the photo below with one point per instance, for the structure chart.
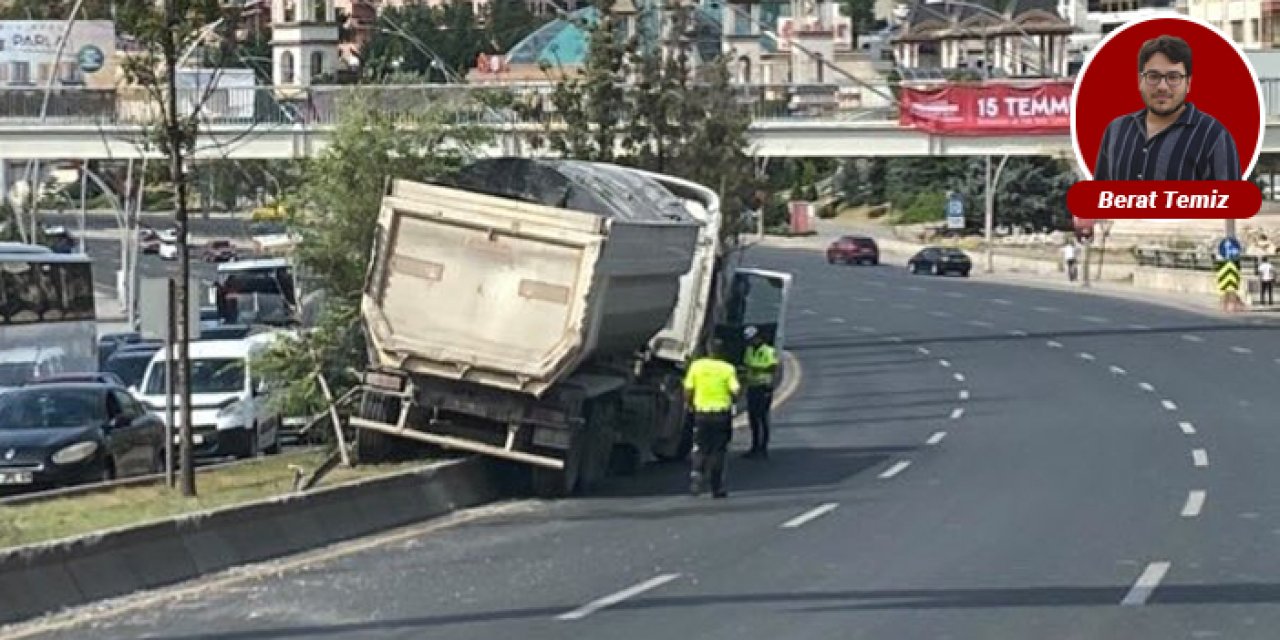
(1042, 274)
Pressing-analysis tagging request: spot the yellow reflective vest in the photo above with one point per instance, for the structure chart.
(760, 362)
(711, 384)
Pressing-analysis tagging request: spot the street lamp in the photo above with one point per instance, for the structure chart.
(990, 214)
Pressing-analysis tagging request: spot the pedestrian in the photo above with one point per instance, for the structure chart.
(761, 362)
(1069, 257)
(1267, 274)
(711, 386)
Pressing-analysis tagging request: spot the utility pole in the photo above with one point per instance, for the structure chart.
(990, 215)
(175, 139)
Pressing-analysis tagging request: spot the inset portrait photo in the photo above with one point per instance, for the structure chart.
(1167, 99)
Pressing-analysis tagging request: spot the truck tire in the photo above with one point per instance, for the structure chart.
(676, 446)
(587, 460)
(375, 446)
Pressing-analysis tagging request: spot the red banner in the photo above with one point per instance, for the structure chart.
(989, 109)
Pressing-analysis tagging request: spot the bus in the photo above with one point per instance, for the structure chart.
(261, 292)
(47, 320)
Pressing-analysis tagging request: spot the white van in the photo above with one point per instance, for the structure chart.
(231, 411)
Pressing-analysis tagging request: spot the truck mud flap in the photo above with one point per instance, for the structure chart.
(458, 443)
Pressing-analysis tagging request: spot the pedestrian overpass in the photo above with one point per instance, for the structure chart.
(257, 123)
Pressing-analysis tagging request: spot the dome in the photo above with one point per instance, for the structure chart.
(566, 41)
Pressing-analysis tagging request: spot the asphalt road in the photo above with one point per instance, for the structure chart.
(963, 460)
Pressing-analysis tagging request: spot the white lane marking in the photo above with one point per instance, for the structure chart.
(867, 329)
(1187, 428)
(1087, 356)
(615, 598)
(897, 468)
(1045, 309)
(981, 323)
(1146, 584)
(1018, 333)
(915, 288)
(1117, 370)
(896, 339)
(936, 438)
(1242, 349)
(1094, 319)
(959, 377)
(812, 514)
(940, 314)
(957, 413)
(1192, 338)
(924, 351)
(1001, 301)
(945, 363)
(1168, 405)
(1146, 386)
(808, 312)
(1140, 327)
(1200, 457)
(964, 394)
(954, 294)
(837, 320)
(1054, 344)
(1195, 503)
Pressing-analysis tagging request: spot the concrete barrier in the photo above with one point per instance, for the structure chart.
(46, 577)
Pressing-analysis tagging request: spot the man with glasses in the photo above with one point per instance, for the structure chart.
(1171, 139)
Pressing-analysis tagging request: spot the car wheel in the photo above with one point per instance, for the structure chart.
(964, 273)
(937, 270)
(875, 262)
(911, 266)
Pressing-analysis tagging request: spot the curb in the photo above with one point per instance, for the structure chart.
(47, 577)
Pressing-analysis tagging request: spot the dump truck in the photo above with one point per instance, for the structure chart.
(543, 312)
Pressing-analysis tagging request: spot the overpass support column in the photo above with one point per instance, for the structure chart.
(4, 180)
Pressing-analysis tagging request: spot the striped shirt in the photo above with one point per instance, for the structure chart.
(1195, 147)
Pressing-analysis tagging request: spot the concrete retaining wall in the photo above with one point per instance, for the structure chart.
(47, 577)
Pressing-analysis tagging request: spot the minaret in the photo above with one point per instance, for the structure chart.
(304, 42)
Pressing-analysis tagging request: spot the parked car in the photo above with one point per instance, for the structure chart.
(130, 361)
(940, 261)
(854, 250)
(72, 433)
(219, 251)
(98, 377)
(168, 250)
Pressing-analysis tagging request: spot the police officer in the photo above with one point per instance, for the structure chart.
(760, 361)
(711, 386)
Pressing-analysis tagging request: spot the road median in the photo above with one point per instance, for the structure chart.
(44, 577)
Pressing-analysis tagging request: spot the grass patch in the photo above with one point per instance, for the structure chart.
(264, 478)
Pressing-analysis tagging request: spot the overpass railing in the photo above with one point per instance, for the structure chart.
(529, 104)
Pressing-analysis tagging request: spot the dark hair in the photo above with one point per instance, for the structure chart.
(1174, 48)
(715, 347)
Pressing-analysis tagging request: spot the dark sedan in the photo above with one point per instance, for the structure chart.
(64, 434)
(940, 261)
(219, 251)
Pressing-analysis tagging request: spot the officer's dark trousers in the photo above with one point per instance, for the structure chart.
(759, 399)
(712, 433)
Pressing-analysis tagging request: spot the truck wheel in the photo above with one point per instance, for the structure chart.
(375, 446)
(679, 450)
(555, 483)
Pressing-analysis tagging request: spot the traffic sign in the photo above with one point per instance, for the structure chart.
(1229, 249)
(955, 211)
(1228, 277)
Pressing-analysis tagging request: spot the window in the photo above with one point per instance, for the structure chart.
(21, 72)
(1254, 33)
(320, 13)
(1237, 30)
(290, 11)
(742, 24)
(286, 68)
(317, 64)
(208, 375)
(45, 292)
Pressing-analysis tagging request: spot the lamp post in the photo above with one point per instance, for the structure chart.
(990, 214)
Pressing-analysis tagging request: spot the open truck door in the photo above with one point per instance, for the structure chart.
(757, 297)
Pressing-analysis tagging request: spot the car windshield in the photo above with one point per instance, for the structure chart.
(130, 366)
(219, 244)
(208, 375)
(953, 252)
(37, 408)
(15, 374)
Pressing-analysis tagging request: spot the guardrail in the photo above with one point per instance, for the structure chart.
(1198, 260)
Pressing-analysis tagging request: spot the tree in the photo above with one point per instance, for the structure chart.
(670, 119)
(862, 13)
(164, 32)
(335, 212)
(56, 10)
